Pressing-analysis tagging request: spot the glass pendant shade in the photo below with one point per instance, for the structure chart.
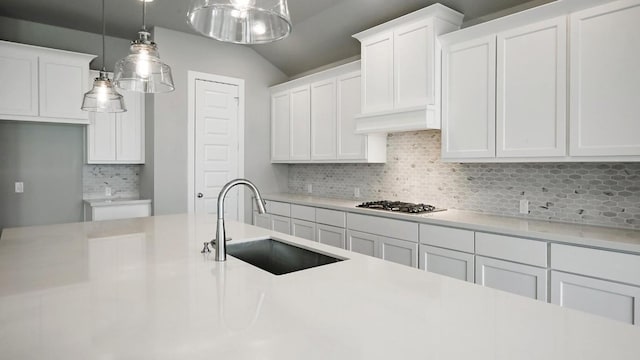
(142, 70)
(241, 21)
(103, 97)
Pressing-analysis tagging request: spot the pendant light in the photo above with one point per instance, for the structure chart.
(241, 21)
(142, 70)
(103, 97)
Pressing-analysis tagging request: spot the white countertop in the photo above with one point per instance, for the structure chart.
(593, 236)
(140, 289)
(116, 201)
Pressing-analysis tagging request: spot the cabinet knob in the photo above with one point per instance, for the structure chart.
(200, 195)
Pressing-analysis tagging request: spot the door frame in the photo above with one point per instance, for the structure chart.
(192, 77)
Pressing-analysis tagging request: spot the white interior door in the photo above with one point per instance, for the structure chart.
(216, 146)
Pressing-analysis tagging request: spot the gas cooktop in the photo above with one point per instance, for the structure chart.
(399, 206)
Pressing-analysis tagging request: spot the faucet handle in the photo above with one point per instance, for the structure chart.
(205, 249)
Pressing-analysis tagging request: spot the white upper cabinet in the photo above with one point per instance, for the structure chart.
(41, 84)
(401, 71)
(117, 138)
(531, 90)
(19, 79)
(313, 120)
(605, 53)
(300, 123)
(280, 125)
(323, 120)
(468, 92)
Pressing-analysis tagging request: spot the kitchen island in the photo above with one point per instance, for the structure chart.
(141, 289)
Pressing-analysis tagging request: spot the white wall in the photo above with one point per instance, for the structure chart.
(184, 52)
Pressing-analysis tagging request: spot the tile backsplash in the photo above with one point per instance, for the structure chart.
(606, 194)
(123, 180)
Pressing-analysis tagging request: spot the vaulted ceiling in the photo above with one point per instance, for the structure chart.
(321, 33)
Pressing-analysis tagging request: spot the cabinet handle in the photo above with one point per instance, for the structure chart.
(200, 195)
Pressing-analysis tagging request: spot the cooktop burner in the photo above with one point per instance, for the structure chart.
(399, 206)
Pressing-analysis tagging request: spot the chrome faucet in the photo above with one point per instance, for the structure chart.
(220, 243)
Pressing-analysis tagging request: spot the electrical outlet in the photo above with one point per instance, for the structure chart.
(19, 187)
(107, 191)
(309, 188)
(524, 206)
(356, 192)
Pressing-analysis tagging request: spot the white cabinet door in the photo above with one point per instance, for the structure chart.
(350, 145)
(19, 79)
(377, 72)
(331, 235)
(605, 298)
(323, 120)
(468, 99)
(531, 90)
(130, 129)
(63, 80)
(363, 243)
(280, 124)
(413, 64)
(455, 264)
(300, 135)
(399, 251)
(281, 224)
(303, 229)
(262, 220)
(101, 137)
(605, 53)
(512, 277)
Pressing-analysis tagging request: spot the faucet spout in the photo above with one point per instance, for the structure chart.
(220, 242)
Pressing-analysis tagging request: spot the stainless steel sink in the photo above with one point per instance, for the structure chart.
(277, 257)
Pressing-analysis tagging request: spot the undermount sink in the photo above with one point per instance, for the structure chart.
(277, 257)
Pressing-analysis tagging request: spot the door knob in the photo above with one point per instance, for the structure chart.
(200, 195)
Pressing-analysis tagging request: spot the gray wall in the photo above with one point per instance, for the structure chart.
(184, 52)
(48, 159)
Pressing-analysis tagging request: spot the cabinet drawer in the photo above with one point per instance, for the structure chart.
(120, 212)
(512, 248)
(455, 239)
(398, 229)
(330, 217)
(278, 208)
(597, 263)
(303, 212)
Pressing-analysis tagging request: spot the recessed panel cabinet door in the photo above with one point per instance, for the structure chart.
(350, 145)
(300, 136)
(262, 220)
(531, 90)
(455, 264)
(605, 53)
(303, 229)
(605, 298)
(281, 224)
(512, 277)
(468, 99)
(413, 66)
(399, 251)
(19, 79)
(63, 82)
(331, 235)
(363, 243)
(130, 129)
(377, 73)
(280, 124)
(101, 134)
(323, 120)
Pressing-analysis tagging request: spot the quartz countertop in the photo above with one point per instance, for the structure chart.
(625, 240)
(116, 201)
(141, 289)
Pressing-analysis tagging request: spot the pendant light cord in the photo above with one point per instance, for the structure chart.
(104, 27)
(144, 13)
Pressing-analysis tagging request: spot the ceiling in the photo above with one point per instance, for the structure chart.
(321, 33)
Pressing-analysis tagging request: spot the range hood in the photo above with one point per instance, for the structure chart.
(399, 120)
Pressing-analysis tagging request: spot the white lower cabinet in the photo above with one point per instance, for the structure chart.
(525, 280)
(395, 250)
(96, 210)
(262, 220)
(605, 298)
(281, 224)
(303, 229)
(455, 264)
(331, 235)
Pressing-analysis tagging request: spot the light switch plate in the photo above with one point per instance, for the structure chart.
(524, 206)
(19, 187)
(309, 188)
